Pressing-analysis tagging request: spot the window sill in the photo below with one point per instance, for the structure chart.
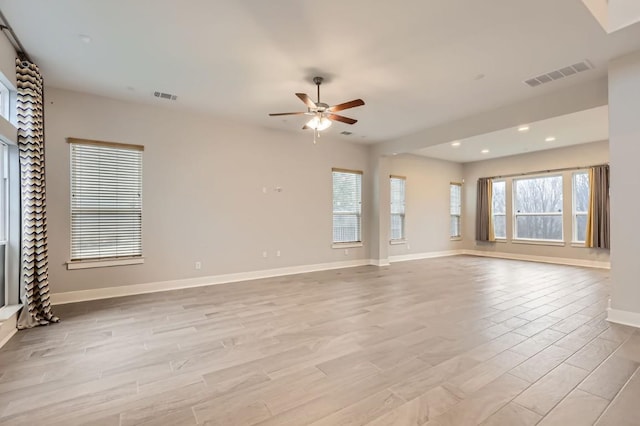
(8, 311)
(539, 242)
(500, 240)
(397, 242)
(346, 245)
(455, 238)
(578, 244)
(86, 264)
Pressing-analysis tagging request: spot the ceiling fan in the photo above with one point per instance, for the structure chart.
(322, 114)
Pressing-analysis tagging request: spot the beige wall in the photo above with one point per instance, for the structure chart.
(427, 203)
(574, 156)
(203, 192)
(624, 95)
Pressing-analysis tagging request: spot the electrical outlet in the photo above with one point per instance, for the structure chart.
(346, 252)
(264, 254)
(278, 253)
(408, 246)
(198, 266)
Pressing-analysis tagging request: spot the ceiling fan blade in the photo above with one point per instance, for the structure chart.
(286, 113)
(336, 117)
(306, 99)
(346, 105)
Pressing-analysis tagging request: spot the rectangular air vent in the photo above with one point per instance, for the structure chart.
(559, 73)
(346, 133)
(167, 96)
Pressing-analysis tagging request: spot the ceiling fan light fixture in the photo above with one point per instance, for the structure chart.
(319, 123)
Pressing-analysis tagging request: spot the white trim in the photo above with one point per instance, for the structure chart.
(538, 242)
(85, 264)
(543, 259)
(347, 245)
(623, 317)
(8, 323)
(427, 255)
(397, 242)
(379, 262)
(128, 290)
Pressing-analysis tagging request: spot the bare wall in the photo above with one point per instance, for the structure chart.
(203, 192)
(427, 203)
(573, 156)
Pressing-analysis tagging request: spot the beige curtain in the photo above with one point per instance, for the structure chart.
(484, 213)
(598, 214)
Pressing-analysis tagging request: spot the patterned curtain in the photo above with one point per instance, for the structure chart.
(35, 262)
(484, 216)
(598, 232)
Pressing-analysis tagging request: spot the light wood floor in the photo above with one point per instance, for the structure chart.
(451, 341)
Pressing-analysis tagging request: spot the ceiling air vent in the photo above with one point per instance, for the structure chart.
(167, 96)
(560, 73)
(346, 133)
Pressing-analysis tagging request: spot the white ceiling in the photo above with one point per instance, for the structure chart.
(572, 129)
(415, 63)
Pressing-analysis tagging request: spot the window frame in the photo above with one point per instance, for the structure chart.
(403, 227)
(358, 242)
(494, 214)
(515, 214)
(115, 260)
(451, 215)
(574, 212)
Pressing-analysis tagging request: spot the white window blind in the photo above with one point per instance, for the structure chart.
(455, 210)
(397, 184)
(347, 206)
(106, 200)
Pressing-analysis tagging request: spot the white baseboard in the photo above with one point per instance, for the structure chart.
(129, 290)
(427, 255)
(623, 317)
(543, 259)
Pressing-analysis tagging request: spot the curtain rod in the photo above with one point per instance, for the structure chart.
(563, 169)
(20, 50)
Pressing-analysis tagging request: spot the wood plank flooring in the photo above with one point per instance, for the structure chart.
(451, 341)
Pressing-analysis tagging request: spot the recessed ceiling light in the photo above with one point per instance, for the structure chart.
(84, 38)
(550, 139)
(455, 144)
(485, 151)
(395, 153)
(523, 128)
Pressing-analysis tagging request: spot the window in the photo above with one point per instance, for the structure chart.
(538, 208)
(580, 205)
(455, 209)
(4, 101)
(499, 207)
(397, 207)
(106, 200)
(347, 206)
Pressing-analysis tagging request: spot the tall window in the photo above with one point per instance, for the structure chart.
(397, 207)
(106, 200)
(580, 205)
(455, 210)
(4, 101)
(347, 206)
(538, 208)
(499, 204)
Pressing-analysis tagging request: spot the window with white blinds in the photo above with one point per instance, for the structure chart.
(397, 184)
(455, 210)
(347, 206)
(106, 200)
